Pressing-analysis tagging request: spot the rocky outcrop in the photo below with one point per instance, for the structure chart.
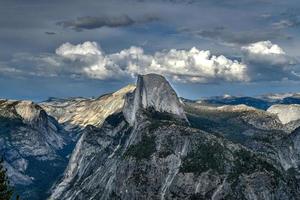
(36, 146)
(77, 113)
(32, 142)
(148, 151)
(152, 91)
(24, 118)
(238, 117)
(286, 113)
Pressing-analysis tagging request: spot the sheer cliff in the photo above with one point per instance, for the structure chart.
(159, 148)
(33, 146)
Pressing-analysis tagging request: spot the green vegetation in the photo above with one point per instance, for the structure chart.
(165, 153)
(5, 190)
(224, 124)
(114, 196)
(203, 158)
(6, 124)
(166, 147)
(163, 117)
(142, 150)
(207, 156)
(115, 119)
(248, 163)
(139, 176)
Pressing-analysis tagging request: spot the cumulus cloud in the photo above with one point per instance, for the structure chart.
(264, 48)
(267, 53)
(76, 51)
(50, 33)
(260, 61)
(268, 61)
(89, 22)
(192, 65)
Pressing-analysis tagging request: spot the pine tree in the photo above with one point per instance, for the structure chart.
(5, 190)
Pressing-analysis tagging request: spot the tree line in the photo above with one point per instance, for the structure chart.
(6, 190)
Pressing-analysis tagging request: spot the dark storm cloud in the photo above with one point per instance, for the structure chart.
(261, 72)
(89, 22)
(50, 33)
(267, 61)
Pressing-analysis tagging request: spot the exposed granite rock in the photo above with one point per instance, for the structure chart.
(286, 113)
(77, 113)
(158, 159)
(152, 91)
(148, 151)
(32, 143)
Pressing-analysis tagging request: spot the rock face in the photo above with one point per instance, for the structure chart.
(31, 142)
(239, 117)
(286, 113)
(153, 91)
(77, 113)
(149, 151)
(36, 146)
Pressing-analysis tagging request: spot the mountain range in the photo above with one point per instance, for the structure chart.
(144, 142)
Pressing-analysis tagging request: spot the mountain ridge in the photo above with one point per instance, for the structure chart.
(31, 142)
(152, 153)
(145, 133)
(78, 113)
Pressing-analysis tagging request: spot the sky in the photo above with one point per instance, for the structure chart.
(68, 48)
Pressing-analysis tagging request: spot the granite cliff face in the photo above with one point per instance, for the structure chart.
(33, 145)
(152, 91)
(37, 139)
(159, 148)
(77, 113)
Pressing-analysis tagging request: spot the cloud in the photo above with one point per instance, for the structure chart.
(282, 24)
(260, 61)
(89, 22)
(264, 48)
(287, 19)
(50, 33)
(223, 35)
(180, 65)
(72, 52)
(6, 70)
(24, 64)
(268, 61)
(266, 52)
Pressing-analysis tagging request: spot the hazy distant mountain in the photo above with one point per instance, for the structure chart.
(261, 102)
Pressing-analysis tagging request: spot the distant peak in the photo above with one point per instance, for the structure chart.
(28, 110)
(153, 91)
(227, 96)
(286, 113)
